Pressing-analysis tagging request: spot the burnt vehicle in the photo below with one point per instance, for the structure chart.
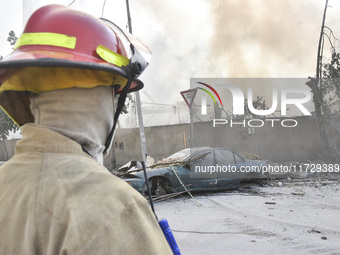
(198, 169)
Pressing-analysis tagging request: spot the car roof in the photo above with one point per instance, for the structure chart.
(182, 154)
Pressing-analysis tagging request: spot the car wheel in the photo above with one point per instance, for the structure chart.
(160, 192)
(160, 186)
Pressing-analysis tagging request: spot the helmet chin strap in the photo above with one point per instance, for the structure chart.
(121, 103)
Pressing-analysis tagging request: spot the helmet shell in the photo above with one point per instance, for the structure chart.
(89, 31)
(89, 34)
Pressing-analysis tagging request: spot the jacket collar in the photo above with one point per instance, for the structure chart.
(37, 138)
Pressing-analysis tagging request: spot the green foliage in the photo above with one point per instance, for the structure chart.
(12, 38)
(331, 77)
(6, 125)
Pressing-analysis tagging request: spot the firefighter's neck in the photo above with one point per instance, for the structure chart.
(83, 115)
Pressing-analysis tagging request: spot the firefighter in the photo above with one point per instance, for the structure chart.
(59, 86)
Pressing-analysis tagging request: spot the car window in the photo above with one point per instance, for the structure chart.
(207, 160)
(238, 159)
(224, 157)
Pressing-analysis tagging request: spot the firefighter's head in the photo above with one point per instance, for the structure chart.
(63, 50)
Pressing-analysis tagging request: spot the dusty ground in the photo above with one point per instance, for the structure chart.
(301, 217)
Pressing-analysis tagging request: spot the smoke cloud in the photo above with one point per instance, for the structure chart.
(265, 38)
(227, 38)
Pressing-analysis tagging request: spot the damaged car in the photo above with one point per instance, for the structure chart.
(197, 169)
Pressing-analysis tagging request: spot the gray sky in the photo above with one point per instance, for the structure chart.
(207, 38)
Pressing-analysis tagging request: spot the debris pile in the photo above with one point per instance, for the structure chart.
(311, 173)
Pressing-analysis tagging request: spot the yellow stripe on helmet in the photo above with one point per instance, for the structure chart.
(111, 56)
(52, 39)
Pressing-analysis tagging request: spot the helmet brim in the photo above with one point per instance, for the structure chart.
(20, 59)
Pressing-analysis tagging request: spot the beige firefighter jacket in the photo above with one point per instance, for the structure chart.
(55, 199)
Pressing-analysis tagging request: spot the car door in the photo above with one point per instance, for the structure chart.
(202, 175)
(228, 166)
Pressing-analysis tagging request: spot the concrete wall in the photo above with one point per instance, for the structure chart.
(161, 142)
(275, 144)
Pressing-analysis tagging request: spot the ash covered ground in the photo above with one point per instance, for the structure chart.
(292, 213)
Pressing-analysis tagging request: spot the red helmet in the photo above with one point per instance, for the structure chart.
(57, 36)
